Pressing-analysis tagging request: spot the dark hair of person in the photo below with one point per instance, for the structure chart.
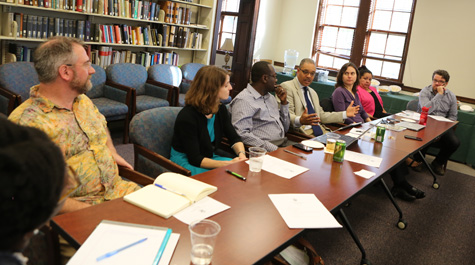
(445, 75)
(259, 69)
(32, 172)
(203, 93)
(339, 77)
(363, 70)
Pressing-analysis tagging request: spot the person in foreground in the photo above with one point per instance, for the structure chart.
(369, 96)
(32, 173)
(304, 105)
(59, 107)
(441, 102)
(256, 115)
(202, 123)
(345, 93)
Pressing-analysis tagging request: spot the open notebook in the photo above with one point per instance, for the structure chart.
(170, 193)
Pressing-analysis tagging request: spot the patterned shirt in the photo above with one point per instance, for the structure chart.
(82, 136)
(439, 105)
(258, 119)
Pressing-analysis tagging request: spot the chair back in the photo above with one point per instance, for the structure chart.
(165, 73)
(327, 104)
(18, 77)
(98, 81)
(128, 74)
(413, 104)
(189, 71)
(153, 129)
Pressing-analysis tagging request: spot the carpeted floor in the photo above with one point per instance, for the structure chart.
(440, 227)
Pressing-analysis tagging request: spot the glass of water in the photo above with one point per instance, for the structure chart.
(203, 238)
(256, 158)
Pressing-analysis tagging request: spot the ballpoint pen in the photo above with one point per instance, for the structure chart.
(165, 188)
(299, 155)
(112, 253)
(235, 174)
(162, 247)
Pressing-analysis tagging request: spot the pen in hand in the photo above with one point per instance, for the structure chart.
(112, 253)
(235, 174)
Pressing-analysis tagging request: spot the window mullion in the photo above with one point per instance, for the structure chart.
(360, 32)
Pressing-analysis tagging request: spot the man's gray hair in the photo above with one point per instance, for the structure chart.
(306, 60)
(53, 53)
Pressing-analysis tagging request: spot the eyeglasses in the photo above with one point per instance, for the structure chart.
(274, 76)
(87, 64)
(438, 81)
(305, 72)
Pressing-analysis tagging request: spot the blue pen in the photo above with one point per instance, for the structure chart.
(165, 188)
(162, 246)
(112, 253)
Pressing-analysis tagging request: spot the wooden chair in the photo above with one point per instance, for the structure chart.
(16, 79)
(151, 132)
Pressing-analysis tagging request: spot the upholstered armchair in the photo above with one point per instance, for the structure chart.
(151, 132)
(166, 76)
(144, 94)
(112, 100)
(189, 71)
(16, 79)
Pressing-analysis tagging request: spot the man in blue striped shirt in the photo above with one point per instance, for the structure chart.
(256, 115)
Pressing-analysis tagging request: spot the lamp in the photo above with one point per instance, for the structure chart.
(228, 47)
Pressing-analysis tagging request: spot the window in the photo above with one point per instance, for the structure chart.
(228, 22)
(379, 41)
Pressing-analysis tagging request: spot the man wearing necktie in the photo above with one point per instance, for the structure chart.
(305, 111)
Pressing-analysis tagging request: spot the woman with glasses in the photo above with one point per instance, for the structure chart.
(345, 93)
(203, 122)
(32, 175)
(369, 96)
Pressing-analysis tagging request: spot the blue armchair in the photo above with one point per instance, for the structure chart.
(166, 76)
(151, 133)
(189, 71)
(144, 94)
(16, 79)
(112, 100)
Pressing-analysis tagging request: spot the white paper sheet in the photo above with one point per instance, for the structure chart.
(281, 167)
(303, 211)
(200, 210)
(109, 236)
(408, 114)
(365, 174)
(440, 118)
(359, 158)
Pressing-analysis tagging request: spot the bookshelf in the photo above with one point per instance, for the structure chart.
(122, 27)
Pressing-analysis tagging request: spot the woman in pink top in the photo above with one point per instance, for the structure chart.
(369, 96)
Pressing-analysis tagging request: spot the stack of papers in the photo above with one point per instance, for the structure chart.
(110, 236)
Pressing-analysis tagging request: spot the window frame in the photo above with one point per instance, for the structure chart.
(359, 50)
(220, 30)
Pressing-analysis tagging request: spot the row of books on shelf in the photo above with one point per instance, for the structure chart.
(42, 27)
(153, 10)
(105, 56)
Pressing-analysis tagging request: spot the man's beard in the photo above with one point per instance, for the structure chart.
(80, 87)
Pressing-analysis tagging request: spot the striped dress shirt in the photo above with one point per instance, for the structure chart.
(259, 119)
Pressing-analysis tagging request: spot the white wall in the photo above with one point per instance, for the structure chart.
(289, 24)
(435, 43)
(285, 24)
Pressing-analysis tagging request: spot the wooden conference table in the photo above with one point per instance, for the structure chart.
(252, 229)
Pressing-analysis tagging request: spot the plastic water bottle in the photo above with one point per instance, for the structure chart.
(424, 113)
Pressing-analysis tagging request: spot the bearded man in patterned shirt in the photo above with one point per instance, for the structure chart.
(59, 107)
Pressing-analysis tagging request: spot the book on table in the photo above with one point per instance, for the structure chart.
(169, 194)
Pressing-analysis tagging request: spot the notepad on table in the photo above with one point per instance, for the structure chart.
(109, 236)
(178, 192)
